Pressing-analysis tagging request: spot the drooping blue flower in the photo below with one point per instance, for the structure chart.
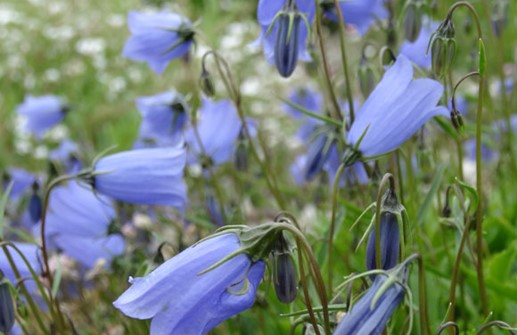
(394, 111)
(310, 100)
(218, 127)
(42, 113)
(22, 181)
(145, 176)
(360, 13)
(273, 41)
(163, 116)
(158, 38)
(181, 301)
(31, 253)
(77, 223)
(318, 154)
(417, 51)
(390, 243)
(7, 312)
(214, 210)
(297, 169)
(367, 319)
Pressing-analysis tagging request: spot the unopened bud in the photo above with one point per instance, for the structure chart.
(284, 277)
(35, 205)
(443, 48)
(6, 306)
(206, 83)
(457, 120)
(413, 20)
(286, 43)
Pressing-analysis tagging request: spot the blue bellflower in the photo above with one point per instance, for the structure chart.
(395, 110)
(42, 113)
(310, 100)
(158, 38)
(145, 176)
(180, 300)
(360, 13)
(218, 127)
(367, 319)
(417, 51)
(389, 241)
(78, 222)
(277, 48)
(163, 116)
(22, 181)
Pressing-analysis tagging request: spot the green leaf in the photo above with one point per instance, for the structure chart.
(312, 114)
(432, 192)
(57, 279)
(482, 57)
(470, 191)
(500, 265)
(3, 205)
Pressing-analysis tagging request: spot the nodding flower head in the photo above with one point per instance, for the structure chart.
(443, 48)
(413, 11)
(42, 113)
(285, 27)
(145, 176)
(6, 306)
(396, 109)
(158, 38)
(181, 298)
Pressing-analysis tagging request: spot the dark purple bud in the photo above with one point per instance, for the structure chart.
(214, 210)
(389, 243)
(6, 306)
(35, 205)
(286, 43)
(318, 155)
(285, 280)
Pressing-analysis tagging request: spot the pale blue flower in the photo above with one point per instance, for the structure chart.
(365, 319)
(42, 113)
(163, 116)
(417, 50)
(396, 109)
(145, 176)
(180, 300)
(158, 38)
(360, 13)
(389, 243)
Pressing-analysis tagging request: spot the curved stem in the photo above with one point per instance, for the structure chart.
(333, 225)
(500, 324)
(344, 60)
(447, 325)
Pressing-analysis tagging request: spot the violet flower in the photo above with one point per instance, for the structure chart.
(180, 300)
(145, 176)
(396, 109)
(368, 318)
(42, 113)
(158, 38)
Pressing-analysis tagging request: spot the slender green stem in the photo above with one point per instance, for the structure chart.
(479, 161)
(337, 111)
(333, 225)
(341, 23)
(425, 324)
(231, 87)
(446, 325)
(305, 288)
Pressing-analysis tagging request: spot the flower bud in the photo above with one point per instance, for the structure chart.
(286, 43)
(284, 272)
(457, 120)
(413, 20)
(241, 153)
(35, 205)
(318, 154)
(499, 16)
(443, 48)
(206, 83)
(6, 306)
(366, 77)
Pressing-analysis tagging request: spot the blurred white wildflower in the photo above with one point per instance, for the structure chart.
(61, 33)
(116, 20)
(29, 81)
(134, 74)
(9, 15)
(41, 152)
(57, 133)
(90, 46)
(55, 7)
(142, 221)
(52, 75)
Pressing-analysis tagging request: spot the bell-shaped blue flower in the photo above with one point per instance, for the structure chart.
(389, 243)
(41, 113)
(367, 319)
(360, 13)
(180, 300)
(78, 221)
(158, 38)
(218, 127)
(271, 36)
(318, 154)
(417, 51)
(21, 180)
(396, 109)
(310, 100)
(145, 176)
(163, 116)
